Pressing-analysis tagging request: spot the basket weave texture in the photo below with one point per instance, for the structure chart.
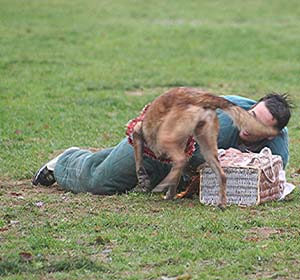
(252, 178)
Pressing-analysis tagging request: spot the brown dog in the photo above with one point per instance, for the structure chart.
(175, 116)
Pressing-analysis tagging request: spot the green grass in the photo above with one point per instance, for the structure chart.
(73, 73)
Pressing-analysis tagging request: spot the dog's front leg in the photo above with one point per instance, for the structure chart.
(138, 144)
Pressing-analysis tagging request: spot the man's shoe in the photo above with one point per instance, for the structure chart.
(44, 177)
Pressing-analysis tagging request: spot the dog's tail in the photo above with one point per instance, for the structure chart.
(242, 118)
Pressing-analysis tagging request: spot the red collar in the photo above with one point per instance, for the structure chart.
(190, 146)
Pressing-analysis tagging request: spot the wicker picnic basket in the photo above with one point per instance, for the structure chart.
(252, 178)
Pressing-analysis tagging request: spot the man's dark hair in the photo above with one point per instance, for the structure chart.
(279, 107)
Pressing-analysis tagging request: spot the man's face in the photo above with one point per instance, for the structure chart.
(261, 113)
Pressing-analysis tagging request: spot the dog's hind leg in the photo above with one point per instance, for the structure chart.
(138, 144)
(171, 140)
(206, 135)
(171, 181)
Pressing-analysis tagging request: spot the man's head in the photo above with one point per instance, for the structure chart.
(272, 110)
(279, 107)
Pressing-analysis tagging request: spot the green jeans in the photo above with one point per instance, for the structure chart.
(108, 171)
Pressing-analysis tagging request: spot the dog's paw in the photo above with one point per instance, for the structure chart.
(160, 188)
(222, 206)
(171, 193)
(169, 197)
(171, 190)
(144, 186)
(222, 202)
(138, 189)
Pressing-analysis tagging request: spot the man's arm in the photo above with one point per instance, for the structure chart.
(280, 146)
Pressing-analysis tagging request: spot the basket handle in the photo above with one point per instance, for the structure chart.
(268, 154)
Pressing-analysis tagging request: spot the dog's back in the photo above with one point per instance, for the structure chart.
(173, 107)
(176, 113)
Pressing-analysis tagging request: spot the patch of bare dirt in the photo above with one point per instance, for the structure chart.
(258, 234)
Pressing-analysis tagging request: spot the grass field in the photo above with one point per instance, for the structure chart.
(72, 73)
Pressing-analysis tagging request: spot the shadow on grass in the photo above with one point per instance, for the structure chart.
(17, 266)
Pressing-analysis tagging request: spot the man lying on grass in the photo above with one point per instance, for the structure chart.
(112, 170)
